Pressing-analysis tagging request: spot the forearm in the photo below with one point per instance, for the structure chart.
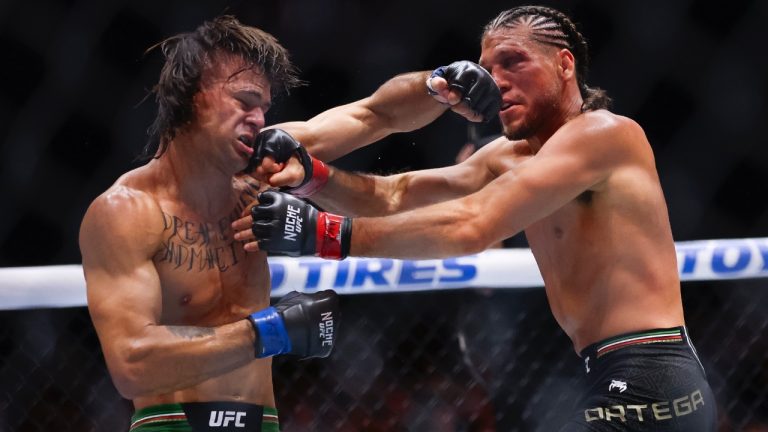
(168, 358)
(443, 230)
(399, 105)
(404, 101)
(354, 194)
(450, 228)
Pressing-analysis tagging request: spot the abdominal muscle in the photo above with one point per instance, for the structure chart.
(605, 279)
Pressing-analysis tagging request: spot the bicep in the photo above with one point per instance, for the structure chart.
(122, 305)
(461, 179)
(122, 283)
(418, 188)
(339, 131)
(544, 183)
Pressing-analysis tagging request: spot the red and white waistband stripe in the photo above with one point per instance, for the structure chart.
(643, 338)
(159, 418)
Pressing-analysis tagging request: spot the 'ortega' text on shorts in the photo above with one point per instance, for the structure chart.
(658, 411)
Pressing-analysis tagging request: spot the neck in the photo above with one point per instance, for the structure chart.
(570, 108)
(195, 179)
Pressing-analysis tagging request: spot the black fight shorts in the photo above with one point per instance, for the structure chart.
(645, 381)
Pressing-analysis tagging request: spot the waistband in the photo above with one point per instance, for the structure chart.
(653, 336)
(180, 416)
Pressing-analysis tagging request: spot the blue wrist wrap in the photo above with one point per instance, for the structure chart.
(439, 72)
(272, 337)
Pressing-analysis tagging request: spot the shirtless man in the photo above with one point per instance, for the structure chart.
(181, 310)
(582, 184)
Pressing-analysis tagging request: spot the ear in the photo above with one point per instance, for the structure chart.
(567, 64)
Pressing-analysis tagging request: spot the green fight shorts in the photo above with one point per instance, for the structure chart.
(205, 417)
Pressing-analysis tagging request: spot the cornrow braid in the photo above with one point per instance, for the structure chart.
(552, 27)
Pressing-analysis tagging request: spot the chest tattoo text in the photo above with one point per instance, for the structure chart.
(198, 246)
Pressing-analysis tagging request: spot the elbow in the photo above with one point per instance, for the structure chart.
(128, 369)
(473, 237)
(126, 386)
(388, 195)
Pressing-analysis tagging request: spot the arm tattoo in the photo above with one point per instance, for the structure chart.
(191, 332)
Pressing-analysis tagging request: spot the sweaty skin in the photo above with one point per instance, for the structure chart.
(168, 286)
(582, 186)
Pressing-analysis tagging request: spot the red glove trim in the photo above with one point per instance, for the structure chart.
(319, 178)
(329, 232)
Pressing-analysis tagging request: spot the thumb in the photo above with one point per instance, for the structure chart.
(292, 175)
(445, 94)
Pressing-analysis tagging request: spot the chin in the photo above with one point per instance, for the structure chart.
(517, 133)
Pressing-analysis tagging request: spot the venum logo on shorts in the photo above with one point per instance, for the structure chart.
(616, 384)
(224, 418)
(326, 328)
(292, 223)
(659, 411)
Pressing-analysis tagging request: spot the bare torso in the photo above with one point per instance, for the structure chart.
(208, 280)
(607, 258)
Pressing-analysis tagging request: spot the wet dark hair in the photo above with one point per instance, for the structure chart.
(552, 27)
(186, 57)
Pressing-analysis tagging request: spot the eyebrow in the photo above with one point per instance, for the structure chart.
(506, 52)
(257, 94)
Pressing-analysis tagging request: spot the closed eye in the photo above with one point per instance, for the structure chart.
(510, 61)
(250, 100)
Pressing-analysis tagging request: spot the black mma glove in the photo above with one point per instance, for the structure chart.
(300, 324)
(286, 224)
(478, 89)
(281, 146)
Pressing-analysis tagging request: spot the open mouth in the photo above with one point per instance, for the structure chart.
(507, 105)
(246, 144)
(245, 139)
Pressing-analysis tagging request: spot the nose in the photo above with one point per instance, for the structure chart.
(497, 74)
(255, 118)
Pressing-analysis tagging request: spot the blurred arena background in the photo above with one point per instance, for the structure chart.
(74, 77)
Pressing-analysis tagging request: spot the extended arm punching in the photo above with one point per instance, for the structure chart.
(286, 224)
(399, 105)
(402, 104)
(571, 163)
(355, 194)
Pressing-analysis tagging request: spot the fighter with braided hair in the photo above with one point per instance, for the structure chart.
(579, 180)
(551, 27)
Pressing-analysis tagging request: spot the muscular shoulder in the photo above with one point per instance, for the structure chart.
(607, 128)
(124, 216)
(605, 136)
(122, 202)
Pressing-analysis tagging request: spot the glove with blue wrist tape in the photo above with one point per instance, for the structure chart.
(477, 87)
(301, 324)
